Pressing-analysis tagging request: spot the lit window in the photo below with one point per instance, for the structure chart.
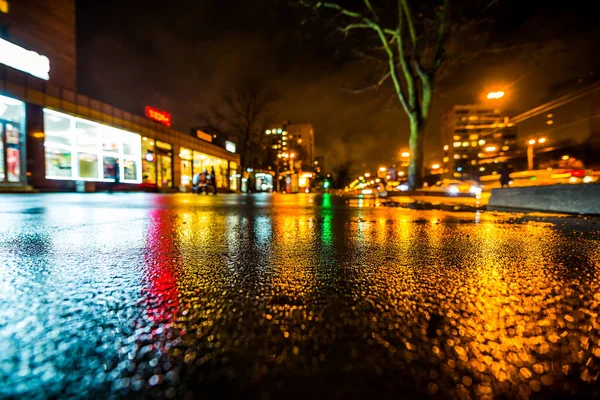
(274, 146)
(99, 152)
(456, 144)
(474, 136)
(505, 148)
(446, 159)
(456, 156)
(268, 132)
(4, 6)
(473, 162)
(482, 169)
(456, 137)
(473, 143)
(299, 141)
(446, 147)
(465, 144)
(481, 142)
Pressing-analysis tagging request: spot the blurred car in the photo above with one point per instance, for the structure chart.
(454, 187)
(552, 176)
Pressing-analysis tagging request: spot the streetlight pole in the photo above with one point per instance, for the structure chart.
(530, 145)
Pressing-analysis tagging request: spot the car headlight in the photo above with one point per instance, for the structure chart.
(453, 190)
(475, 190)
(588, 179)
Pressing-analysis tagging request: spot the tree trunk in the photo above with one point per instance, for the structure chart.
(416, 144)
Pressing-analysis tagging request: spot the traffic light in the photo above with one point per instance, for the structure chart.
(326, 184)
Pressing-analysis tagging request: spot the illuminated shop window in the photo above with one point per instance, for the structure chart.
(77, 149)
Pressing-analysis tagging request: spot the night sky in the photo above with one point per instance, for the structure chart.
(181, 56)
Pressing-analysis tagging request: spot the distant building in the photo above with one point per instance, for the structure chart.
(291, 149)
(474, 136)
(296, 139)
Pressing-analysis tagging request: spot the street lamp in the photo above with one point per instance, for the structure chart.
(405, 154)
(531, 143)
(495, 95)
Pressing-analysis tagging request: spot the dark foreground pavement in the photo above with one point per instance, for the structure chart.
(181, 296)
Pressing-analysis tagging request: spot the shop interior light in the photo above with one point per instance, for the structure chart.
(9, 101)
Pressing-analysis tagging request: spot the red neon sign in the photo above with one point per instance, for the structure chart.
(162, 117)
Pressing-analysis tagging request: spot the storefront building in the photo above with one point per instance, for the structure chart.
(12, 138)
(54, 138)
(51, 143)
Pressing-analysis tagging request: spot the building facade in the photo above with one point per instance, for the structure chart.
(474, 136)
(53, 137)
(291, 149)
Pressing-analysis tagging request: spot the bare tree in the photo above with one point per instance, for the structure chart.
(414, 45)
(243, 116)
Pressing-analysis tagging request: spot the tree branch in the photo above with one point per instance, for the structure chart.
(409, 22)
(442, 37)
(370, 7)
(392, 64)
(378, 84)
(408, 75)
(339, 8)
(349, 27)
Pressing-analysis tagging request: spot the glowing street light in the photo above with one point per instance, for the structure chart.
(382, 169)
(435, 166)
(367, 175)
(405, 154)
(531, 143)
(495, 95)
(489, 149)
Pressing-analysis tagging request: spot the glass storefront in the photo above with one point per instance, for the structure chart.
(157, 163)
(204, 162)
(186, 166)
(164, 162)
(12, 117)
(233, 176)
(78, 149)
(148, 162)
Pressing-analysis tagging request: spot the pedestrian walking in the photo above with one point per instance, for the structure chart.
(116, 176)
(504, 175)
(213, 180)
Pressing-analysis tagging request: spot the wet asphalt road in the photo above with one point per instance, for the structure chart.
(181, 296)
